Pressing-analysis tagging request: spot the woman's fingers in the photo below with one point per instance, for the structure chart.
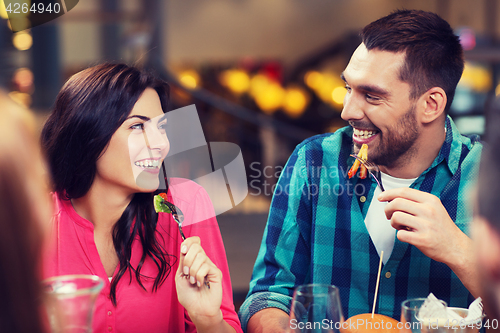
(196, 265)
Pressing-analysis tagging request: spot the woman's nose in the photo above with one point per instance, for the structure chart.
(156, 138)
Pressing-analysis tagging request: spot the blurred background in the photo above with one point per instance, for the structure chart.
(263, 74)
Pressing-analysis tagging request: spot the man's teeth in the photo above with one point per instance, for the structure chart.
(148, 164)
(364, 134)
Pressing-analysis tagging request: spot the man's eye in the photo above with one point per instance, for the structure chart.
(139, 126)
(372, 98)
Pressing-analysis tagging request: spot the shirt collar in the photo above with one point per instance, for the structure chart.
(451, 149)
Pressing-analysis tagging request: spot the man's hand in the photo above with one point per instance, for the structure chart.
(423, 222)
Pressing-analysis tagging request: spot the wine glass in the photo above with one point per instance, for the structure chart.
(316, 308)
(70, 301)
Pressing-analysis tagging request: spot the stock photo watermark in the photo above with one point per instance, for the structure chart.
(26, 14)
(263, 181)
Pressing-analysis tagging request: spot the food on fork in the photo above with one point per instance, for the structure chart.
(363, 154)
(364, 323)
(159, 203)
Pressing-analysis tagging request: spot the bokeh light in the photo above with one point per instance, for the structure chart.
(238, 81)
(22, 40)
(338, 95)
(271, 98)
(295, 101)
(189, 79)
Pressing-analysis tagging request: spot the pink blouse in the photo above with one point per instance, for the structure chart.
(73, 251)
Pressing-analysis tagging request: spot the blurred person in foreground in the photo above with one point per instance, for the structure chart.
(486, 226)
(105, 143)
(326, 228)
(24, 215)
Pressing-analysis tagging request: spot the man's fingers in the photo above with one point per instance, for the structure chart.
(403, 221)
(402, 205)
(406, 193)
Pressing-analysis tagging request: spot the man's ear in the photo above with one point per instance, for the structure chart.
(487, 247)
(433, 103)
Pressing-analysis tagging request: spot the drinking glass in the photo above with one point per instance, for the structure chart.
(316, 308)
(409, 313)
(70, 302)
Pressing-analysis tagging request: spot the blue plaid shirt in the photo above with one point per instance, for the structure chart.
(316, 231)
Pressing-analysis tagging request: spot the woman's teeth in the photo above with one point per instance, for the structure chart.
(364, 134)
(148, 164)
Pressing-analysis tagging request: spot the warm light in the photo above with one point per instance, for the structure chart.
(271, 98)
(236, 80)
(189, 79)
(22, 40)
(23, 80)
(3, 12)
(258, 83)
(295, 101)
(328, 83)
(476, 78)
(338, 95)
(313, 79)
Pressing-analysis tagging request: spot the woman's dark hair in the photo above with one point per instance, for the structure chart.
(434, 55)
(90, 107)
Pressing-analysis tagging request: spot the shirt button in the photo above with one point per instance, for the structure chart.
(388, 274)
(110, 313)
(362, 198)
(110, 328)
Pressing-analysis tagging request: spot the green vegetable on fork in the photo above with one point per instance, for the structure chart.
(160, 205)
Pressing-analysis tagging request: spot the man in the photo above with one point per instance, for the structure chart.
(486, 226)
(326, 228)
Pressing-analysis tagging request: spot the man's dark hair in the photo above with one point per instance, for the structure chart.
(434, 56)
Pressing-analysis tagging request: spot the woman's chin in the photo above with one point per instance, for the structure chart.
(148, 182)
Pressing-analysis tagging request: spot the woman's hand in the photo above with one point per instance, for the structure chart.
(201, 302)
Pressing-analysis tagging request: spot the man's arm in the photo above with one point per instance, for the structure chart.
(423, 222)
(270, 320)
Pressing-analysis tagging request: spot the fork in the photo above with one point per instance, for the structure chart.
(373, 169)
(179, 218)
(177, 215)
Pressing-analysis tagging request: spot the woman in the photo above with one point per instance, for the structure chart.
(105, 143)
(24, 210)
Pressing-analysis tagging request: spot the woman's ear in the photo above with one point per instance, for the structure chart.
(433, 102)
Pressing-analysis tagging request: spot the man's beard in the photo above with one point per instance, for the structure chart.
(398, 143)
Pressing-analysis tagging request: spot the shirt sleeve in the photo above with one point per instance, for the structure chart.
(205, 226)
(284, 256)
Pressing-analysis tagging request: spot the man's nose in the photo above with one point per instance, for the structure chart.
(352, 109)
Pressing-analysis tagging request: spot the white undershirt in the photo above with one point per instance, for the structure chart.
(379, 227)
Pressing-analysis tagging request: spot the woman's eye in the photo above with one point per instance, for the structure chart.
(162, 126)
(347, 88)
(139, 126)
